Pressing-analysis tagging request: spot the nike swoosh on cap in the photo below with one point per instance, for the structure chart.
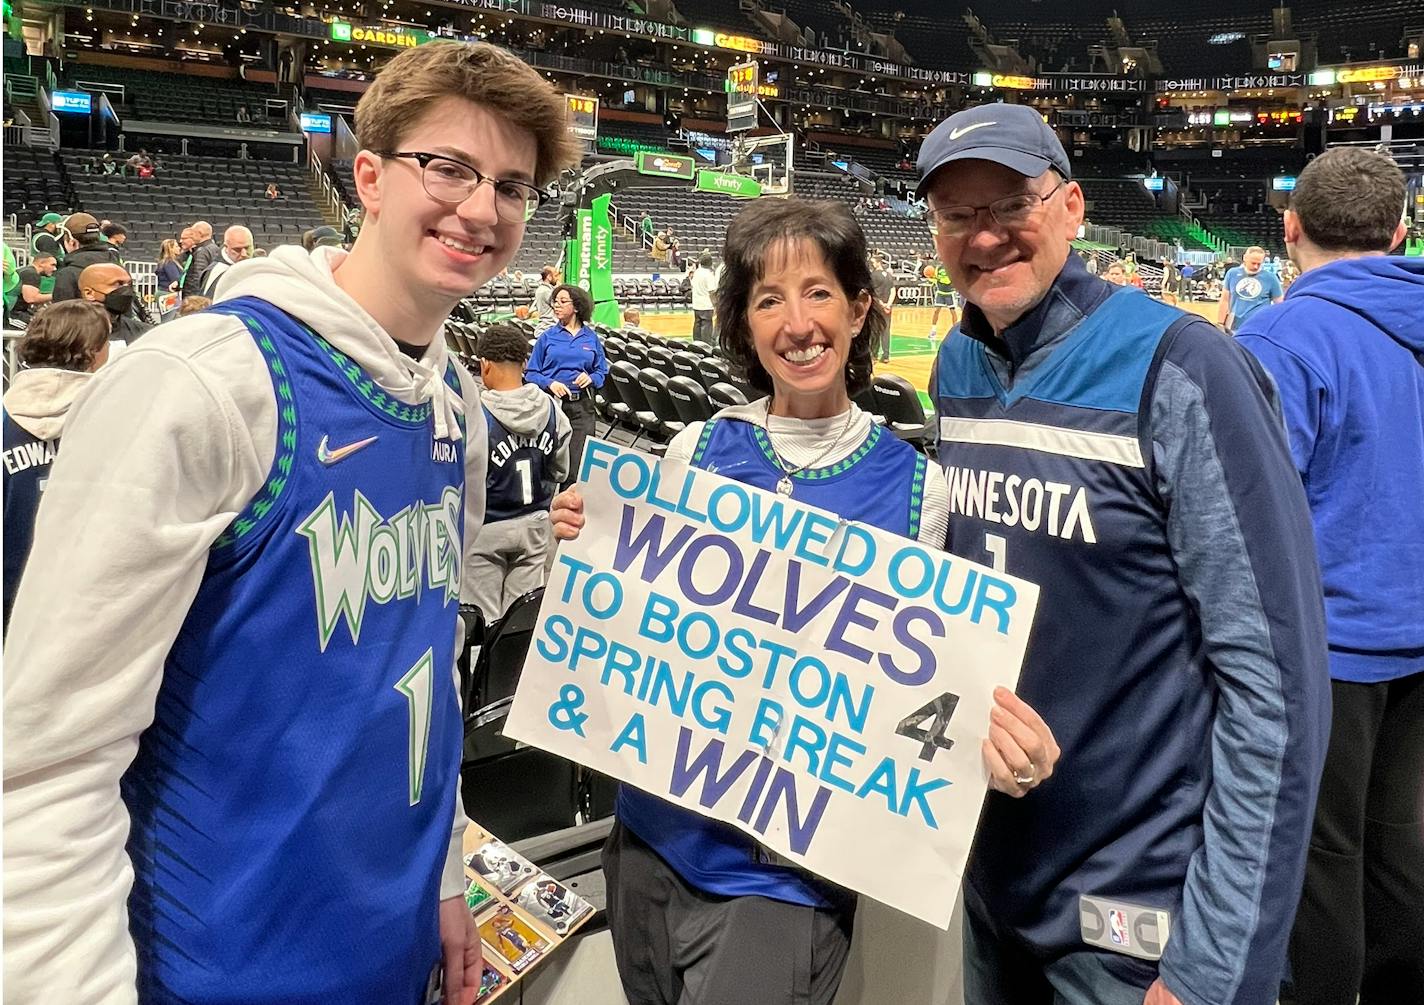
(954, 134)
(330, 457)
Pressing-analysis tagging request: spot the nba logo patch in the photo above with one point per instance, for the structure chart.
(1117, 927)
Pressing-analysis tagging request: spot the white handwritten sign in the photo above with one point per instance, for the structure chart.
(822, 685)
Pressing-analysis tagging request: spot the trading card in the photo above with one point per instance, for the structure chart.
(491, 980)
(476, 896)
(497, 863)
(512, 939)
(550, 902)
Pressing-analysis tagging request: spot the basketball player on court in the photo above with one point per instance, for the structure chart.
(233, 647)
(943, 297)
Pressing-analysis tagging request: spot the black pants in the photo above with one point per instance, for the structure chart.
(676, 945)
(581, 424)
(702, 330)
(1360, 928)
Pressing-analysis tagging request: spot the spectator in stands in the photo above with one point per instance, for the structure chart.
(542, 310)
(633, 321)
(322, 237)
(1188, 657)
(674, 251)
(568, 362)
(1345, 349)
(704, 287)
(528, 460)
(237, 247)
(351, 224)
(164, 565)
(659, 250)
(645, 225)
(33, 294)
(205, 253)
(62, 346)
(883, 285)
(1116, 274)
(114, 234)
(112, 286)
(698, 911)
(170, 265)
(243, 115)
(84, 246)
(48, 240)
(192, 305)
(135, 162)
(272, 193)
(1246, 289)
(107, 165)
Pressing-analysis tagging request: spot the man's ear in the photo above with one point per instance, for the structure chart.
(366, 172)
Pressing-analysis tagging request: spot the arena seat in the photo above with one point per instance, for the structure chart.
(725, 395)
(625, 375)
(654, 383)
(690, 398)
(897, 401)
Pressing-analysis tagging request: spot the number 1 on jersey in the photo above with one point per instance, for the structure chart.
(525, 468)
(417, 686)
(998, 549)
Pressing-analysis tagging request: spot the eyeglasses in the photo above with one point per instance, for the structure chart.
(450, 181)
(1010, 213)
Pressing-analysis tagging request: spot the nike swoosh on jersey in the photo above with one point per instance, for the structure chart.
(954, 134)
(330, 457)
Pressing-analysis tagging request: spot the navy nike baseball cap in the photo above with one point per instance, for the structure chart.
(1012, 135)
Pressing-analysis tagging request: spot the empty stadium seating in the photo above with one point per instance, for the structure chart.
(221, 191)
(173, 97)
(34, 184)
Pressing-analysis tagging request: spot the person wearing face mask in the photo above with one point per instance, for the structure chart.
(250, 746)
(112, 287)
(84, 246)
(568, 362)
(62, 346)
(698, 910)
(1139, 473)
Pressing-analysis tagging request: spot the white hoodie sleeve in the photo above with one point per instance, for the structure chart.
(160, 453)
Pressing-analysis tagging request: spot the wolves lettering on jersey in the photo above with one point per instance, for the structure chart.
(28, 455)
(1013, 501)
(357, 555)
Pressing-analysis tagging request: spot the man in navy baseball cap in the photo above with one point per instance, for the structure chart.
(1178, 650)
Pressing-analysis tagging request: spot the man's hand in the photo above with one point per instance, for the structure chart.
(1020, 752)
(1158, 994)
(460, 951)
(558, 390)
(582, 381)
(566, 515)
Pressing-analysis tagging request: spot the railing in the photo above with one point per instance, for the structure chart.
(330, 196)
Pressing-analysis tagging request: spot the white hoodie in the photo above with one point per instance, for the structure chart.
(162, 450)
(39, 399)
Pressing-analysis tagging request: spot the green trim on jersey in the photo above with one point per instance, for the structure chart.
(830, 470)
(917, 495)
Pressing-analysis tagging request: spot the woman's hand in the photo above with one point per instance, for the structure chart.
(582, 381)
(1020, 752)
(566, 515)
(558, 390)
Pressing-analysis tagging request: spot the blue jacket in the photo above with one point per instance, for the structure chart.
(560, 356)
(1346, 348)
(1129, 458)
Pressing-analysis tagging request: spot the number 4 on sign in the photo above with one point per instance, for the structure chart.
(941, 710)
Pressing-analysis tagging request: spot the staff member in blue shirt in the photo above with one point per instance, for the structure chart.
(568, 362)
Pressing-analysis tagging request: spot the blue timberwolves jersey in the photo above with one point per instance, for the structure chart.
(292, 800)
(880, 484)
(1053, 481)
(516, 484)
(27, 462)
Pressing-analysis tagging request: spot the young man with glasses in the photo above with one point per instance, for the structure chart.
(234, 643)
(1124, 456)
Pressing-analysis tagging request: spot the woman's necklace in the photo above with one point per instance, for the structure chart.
(784, 486)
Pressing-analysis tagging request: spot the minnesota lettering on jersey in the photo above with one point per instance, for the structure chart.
(358, 556)
(1057, 508)
(501, 452)
(28, 455)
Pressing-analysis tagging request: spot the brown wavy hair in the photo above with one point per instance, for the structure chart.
(751, 236)
(66, 336)
(489, 77)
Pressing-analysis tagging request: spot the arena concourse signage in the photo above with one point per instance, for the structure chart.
(394, 36)
(821, 685)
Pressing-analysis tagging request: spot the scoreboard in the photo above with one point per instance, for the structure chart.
(583, 116)
(743, 81)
